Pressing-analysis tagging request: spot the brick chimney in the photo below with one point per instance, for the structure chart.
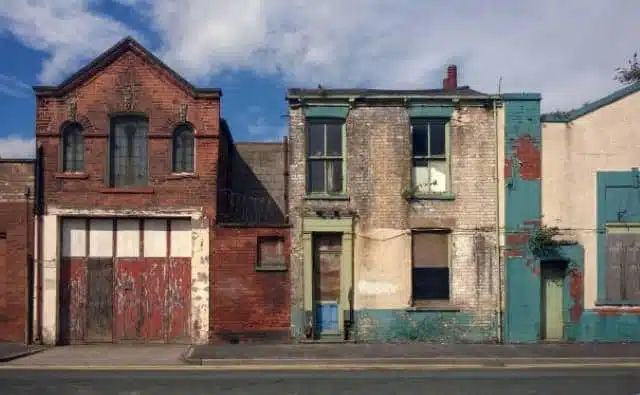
(451, 82)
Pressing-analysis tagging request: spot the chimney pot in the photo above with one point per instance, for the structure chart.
(451, 82)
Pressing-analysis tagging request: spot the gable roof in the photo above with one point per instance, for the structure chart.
(591, 107)
(111, 55)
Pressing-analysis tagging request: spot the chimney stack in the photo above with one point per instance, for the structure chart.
(451, 82)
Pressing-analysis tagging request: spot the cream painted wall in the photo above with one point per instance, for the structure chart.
(607, 139)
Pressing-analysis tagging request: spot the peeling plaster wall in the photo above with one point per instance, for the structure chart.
(382, 242)
(603, 140)
(51, 232)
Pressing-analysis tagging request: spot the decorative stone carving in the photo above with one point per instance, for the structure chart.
(182, 116)
(72, 109)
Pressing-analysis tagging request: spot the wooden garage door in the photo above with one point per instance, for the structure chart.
(126, 280)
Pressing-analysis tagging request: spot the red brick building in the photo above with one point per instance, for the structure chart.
(16, 246)
(133, 162)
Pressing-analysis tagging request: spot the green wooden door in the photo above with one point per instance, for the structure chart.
(552, 310)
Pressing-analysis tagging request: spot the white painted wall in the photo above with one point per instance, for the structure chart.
(128, 238)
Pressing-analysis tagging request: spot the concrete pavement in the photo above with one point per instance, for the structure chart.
(10, 350)
(481, 382)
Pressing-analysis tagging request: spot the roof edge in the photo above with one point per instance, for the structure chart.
(521, 96)
(568, 116)
(110, 55)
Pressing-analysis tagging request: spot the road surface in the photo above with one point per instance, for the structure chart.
(614, 381)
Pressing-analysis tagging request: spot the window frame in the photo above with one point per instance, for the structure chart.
(177, 131)
(114, 121)
(616, 228)
(78, 130)
(446, 157)
(277, 267)
(432, 302)
(325, 158)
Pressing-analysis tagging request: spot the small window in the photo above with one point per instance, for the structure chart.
(430, 173)
(72, 148)
(183, 149)
(325, 171)
(271, 254)
(430, 271)
(128, 152)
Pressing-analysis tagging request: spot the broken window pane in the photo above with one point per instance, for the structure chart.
(315, 140)
(316, 176)
(437, 145)
(129, 152)
(334, 176)
(334, 139)
(419, 140)
(438, 170)
(73, 148)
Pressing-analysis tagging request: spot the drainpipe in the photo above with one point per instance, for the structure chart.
(498, 235)
(37, 244)
(285, 146)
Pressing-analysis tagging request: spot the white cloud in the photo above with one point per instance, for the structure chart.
(260, 129)
(70, 31)
(567, 50)
(14, 146)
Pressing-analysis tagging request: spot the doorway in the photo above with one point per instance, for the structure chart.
(327, 256)
(552, 300)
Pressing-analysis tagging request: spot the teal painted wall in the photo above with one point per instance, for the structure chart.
(397, 325)
(522, 215)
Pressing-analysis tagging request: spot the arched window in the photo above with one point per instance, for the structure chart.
(128, 151)
(72, 148)
(183, 147)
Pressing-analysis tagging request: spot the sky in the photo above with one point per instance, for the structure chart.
(254, 50)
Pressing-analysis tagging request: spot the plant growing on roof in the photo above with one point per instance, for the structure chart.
(543, 242)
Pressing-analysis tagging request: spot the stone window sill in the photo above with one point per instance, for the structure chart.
(272, 268)
(72, 175)
(443, 196)
(128, 190)
(432, 306)
(181, 176)
(326, 197)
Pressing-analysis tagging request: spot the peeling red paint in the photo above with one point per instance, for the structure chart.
(508, 168)
(73, 299)
(613, 311)
(518, 239)
(514, 253)
(576, 284)
(153, 299)
(528, 156)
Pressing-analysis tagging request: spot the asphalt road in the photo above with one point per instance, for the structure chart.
(479, 382)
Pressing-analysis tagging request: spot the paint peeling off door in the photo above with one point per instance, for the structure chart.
(327, 258)
(99, 299)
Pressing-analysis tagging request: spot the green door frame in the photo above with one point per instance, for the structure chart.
(311, 225)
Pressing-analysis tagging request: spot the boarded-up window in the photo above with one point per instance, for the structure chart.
(271, 253)
(623, 266)
(430, 274)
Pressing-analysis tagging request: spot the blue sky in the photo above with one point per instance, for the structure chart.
(255, 49)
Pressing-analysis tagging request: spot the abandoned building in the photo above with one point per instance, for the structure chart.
(394, 212)
(144, 235)
(587, 286)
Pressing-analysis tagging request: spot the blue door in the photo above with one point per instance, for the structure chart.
(327, 263)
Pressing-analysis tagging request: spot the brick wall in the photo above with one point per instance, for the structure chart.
(378, 169)
(247, 304)
(155, 93)
(16, 233)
